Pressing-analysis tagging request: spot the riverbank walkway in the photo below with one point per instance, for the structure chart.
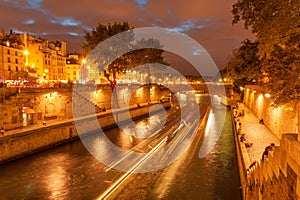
(55, 122)
(256, 133)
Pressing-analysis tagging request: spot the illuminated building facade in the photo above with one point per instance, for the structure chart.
(37, 57)
(48, 59)
(72, 67)
(12, 58)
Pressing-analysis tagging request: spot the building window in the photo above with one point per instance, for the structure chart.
(45, 62)
(17, 69)
(8, 59)
(16, 60)
(9, 68)
(14, 119)
(39, 116)
(8, 51)
(16, 53)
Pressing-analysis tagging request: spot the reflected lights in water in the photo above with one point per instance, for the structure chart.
(56, 177)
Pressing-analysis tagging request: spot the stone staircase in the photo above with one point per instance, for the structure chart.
(80, 101)
(277, 176)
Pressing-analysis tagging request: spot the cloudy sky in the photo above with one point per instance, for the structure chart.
(206, 21)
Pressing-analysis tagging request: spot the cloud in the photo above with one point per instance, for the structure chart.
(207, 21)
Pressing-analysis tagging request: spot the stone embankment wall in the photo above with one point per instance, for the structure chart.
(275, 178)
(57, 103)
(278, 176)
(275, 118)
(23, 142)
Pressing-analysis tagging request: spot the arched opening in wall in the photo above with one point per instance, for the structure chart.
(27, 114)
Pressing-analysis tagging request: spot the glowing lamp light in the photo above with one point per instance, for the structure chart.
(289, 109)
(26, 52)
(267, 95)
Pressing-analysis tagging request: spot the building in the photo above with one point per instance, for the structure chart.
(72, 67)
(48, 59)
(12, 59)
(24, 58)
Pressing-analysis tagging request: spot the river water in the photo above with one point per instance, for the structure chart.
(69, 171)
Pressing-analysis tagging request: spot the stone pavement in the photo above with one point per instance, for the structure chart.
(256, 133)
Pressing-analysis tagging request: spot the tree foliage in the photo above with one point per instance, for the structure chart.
(283, 69)
(22, 76)
(276, 25)
(109, 57)
(120, 51)
(102, 32)
(244, 63)
(271, 21)
(113, 49)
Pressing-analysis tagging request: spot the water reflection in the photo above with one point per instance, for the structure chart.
(56, 176)
(71, 172)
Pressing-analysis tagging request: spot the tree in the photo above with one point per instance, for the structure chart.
(23, 76)
(284, 71)
(271, 21)
(112, 49)
(244, 62)
(244, 65)
(105, 57)
(276, 26)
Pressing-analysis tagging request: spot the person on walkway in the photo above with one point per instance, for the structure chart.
(242, 113)
(2, 130)
(239, 129)
(266, 152)
(261, 121)
(243, 140)
(271, 147)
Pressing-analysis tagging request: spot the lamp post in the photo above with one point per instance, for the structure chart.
(26, 53)
(83, 71)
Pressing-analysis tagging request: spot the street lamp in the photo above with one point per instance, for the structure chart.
(26, 53)
(83, 71)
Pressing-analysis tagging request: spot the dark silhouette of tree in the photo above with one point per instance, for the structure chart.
(276, 25)
(244, 63)
(22, 76)
(112, 49)
(107, 58)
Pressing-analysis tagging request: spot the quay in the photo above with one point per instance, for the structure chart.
(20, 142)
